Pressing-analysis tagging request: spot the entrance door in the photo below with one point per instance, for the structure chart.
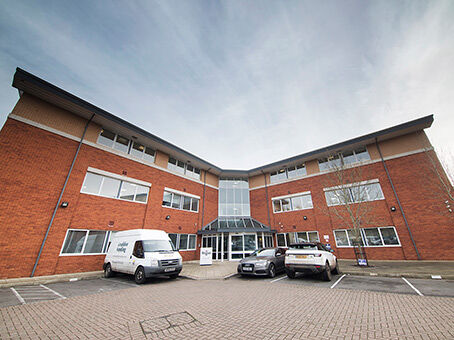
(242, 245)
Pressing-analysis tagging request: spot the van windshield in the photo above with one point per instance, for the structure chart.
(157, 245)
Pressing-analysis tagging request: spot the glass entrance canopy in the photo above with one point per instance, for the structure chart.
(234, 224)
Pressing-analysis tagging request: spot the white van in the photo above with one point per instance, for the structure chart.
(144, 253)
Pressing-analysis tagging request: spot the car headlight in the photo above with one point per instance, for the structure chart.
(180, 261)
(154, 262)
(261, 263)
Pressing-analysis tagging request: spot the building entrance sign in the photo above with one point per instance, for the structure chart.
(206, 256)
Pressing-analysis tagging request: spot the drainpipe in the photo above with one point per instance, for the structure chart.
(59, 198)
(203, 202)
(397, 198)
(267, 203)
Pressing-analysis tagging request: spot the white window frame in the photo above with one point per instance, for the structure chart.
(286, 171)
(340, 157)
(354, 185)
(364, 239)
(87, 231)
(307, 235)
(130, 146)
(285, 239)
(122, 179)
(177, 241)
(182, 194)
(280, 198)
(186, 171)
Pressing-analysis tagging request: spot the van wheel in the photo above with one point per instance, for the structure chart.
(327, 273)
(290, 274)
(108, 272)
(139, 276)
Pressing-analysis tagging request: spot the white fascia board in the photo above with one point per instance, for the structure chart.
(292, 195)
(182, 193)
(116, 176)
(371, 181)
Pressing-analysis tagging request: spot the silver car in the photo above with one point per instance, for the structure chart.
(263, 262)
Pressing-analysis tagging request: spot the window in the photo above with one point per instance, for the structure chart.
(369, 237)
(346, 157)
(85, 242)
(184, 241)
(179, 201)
(123, 144)
(183, 168)
(105, 186)
(293, 202)
(354, 193)
(307, 236)
(295, 171)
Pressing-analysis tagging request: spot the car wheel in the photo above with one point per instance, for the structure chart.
(290, 274)
(327, 273)
(173, 276)
(271, 270)
(336, 269)
(139, 276)
(108, 272)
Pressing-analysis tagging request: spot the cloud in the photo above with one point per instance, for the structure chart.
(242, 84)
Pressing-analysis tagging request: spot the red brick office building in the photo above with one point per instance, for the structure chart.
(71, 174)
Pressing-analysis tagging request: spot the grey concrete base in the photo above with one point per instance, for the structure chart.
(25, 281)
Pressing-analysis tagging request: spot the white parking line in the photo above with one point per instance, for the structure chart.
(335, 283)
(413, 287)
(17, 295)
(280, 278)
(53, 291)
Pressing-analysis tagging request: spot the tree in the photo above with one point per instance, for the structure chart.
(443, 171)
(347, 193)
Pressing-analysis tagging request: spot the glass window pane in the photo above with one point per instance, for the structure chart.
(176, 201)
(195, 204)
(74, 242)
(173, 238)
(183, 241)
(297, 171)
(248, 223)
(372, 237)
(110, 187)
(142, 193)
(192, 239)
(277, 205)
(92, 183)
(121, 143)
(374, 191)
(249, 242)
(362, 155)
(106, 138)
(348, 157)
(355, 236)
(323, 164)
(137, 150)
(302, 237)
(237, 243)
(359, 193)
(389, 236)
(286, 204)
(149, 154)
(297, 203)
(313, 236)
(95, 241)
(127, 191)
(186, 203)
(341, 238)
(167, 199)
(307, 201)
(331, 198)
(281, 240)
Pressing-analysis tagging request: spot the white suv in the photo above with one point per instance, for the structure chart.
(312, 258)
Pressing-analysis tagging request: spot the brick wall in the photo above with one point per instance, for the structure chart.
(32, 172)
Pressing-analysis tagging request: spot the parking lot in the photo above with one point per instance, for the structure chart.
(54, 291)
(248, 308)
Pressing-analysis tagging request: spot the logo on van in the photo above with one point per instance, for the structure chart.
(122, 247)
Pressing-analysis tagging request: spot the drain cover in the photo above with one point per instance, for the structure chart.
(167, 321)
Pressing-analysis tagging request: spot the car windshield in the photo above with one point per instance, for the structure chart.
(263, 252)
(157, 245)
(304, 246)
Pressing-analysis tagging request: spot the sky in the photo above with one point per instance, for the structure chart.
(242, 84)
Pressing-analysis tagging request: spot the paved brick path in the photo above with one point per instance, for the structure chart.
(186, 309)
